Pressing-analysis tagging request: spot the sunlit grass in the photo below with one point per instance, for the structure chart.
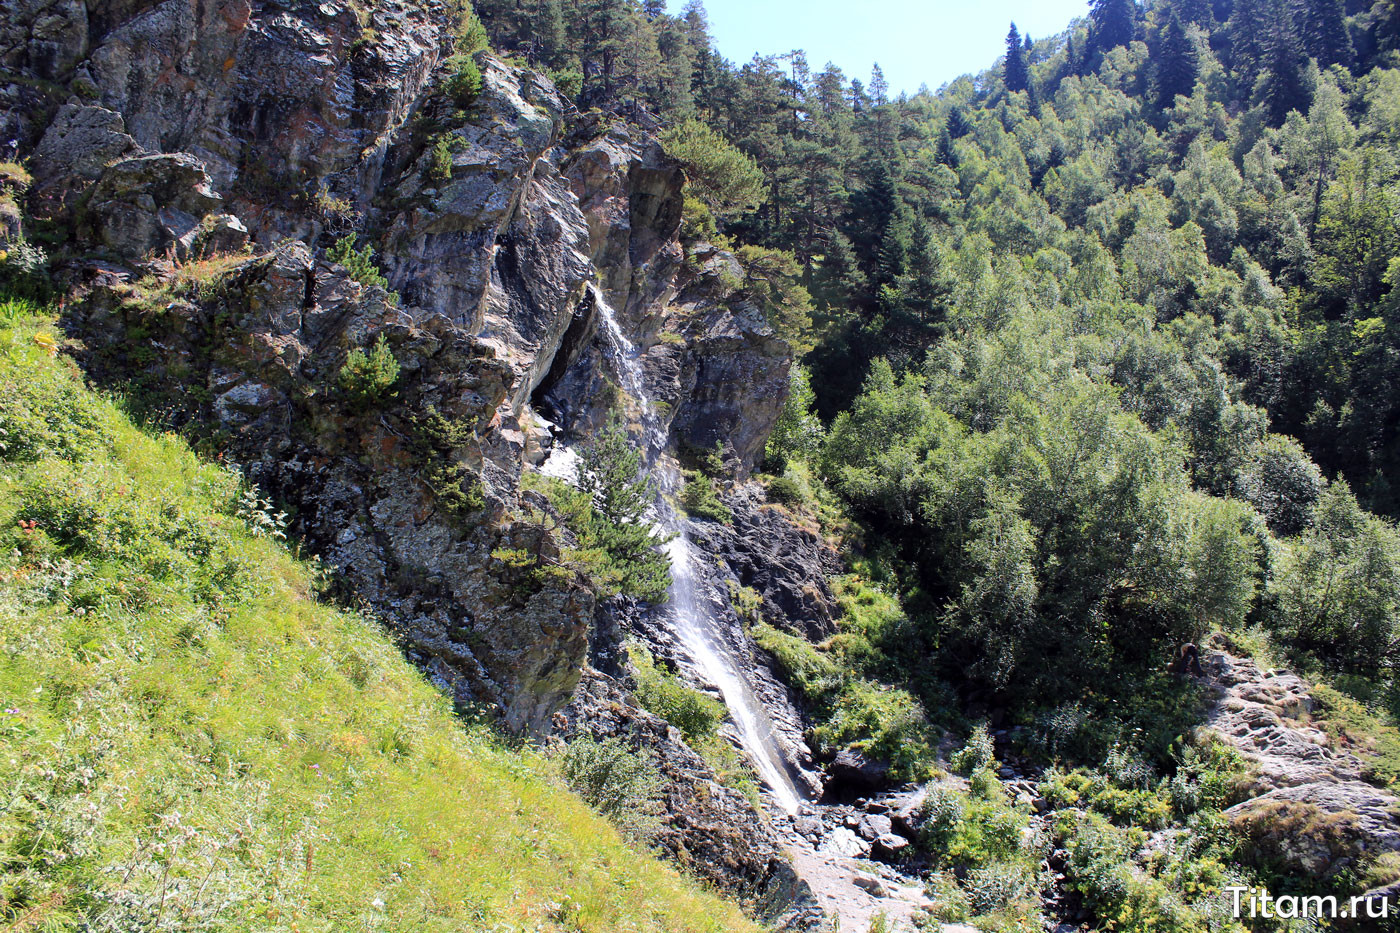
(189, 741)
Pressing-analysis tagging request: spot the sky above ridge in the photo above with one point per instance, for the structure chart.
(929, 42)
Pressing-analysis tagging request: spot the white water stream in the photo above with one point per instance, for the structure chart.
(695, 623)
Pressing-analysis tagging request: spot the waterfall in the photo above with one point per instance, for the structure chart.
(695, 623)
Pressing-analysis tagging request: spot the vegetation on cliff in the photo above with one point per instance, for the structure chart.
(190, 740)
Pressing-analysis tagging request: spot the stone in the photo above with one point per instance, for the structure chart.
(1311, 810)
(809, 826)
(873, 826)
(889, 847)
(870, 884)
(851, 772)
(844, 842)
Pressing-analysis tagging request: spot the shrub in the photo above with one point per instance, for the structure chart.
(463, 82)
(369, 378)
(1001, 885)
(785, 489)
(700, 500)
(978, 753)
(815, 675)
(620, 783)
(359, 263)
(886, 722)
(694, 714)
(568, 82)
(964, 831)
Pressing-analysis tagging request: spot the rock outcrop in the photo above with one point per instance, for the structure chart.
(712, 830)
(785, 564)
(194, 163)
(1311, 810)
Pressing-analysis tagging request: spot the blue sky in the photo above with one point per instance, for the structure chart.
(929, 42)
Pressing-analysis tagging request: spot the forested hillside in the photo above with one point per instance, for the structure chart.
(1102, 346)
(1103, 337)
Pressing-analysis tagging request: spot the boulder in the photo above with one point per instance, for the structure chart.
(851, 773)
(872, 826)
(889, 847)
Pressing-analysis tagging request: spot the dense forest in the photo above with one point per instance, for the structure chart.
(1100, 341)
(1100, 346)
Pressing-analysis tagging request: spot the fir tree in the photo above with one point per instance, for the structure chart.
(947, 155)
(1194, 12)
(1017, 74)
(958, 125)
(1280, 86)
(1247, 29)
(1115, 22)
(1325, 35)
(1177, 64)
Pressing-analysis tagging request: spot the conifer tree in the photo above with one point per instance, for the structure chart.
(1281, 87)
(1017, 74)
(1247, 29)
(1177, 64)
(1193, 12)
(1115, 22)
(1325, 35)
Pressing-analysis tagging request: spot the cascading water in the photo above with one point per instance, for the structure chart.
(695, 623)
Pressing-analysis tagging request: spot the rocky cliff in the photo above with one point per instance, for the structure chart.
(193, 163)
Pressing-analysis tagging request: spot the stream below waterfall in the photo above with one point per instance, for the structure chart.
(849, 889)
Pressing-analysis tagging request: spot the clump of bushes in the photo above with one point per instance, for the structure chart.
(700, 500)
(367, 379)
(622, 784)
(694, 714)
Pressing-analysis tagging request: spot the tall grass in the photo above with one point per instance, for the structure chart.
(188, 740)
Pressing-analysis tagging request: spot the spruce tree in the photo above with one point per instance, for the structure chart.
(1281, 88)
(1115, 22)
(1017, 74)
(1325, 33)
(1177, 64)
(1194, 12)
(1247, 28)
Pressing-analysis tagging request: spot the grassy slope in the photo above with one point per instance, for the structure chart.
(188, 740)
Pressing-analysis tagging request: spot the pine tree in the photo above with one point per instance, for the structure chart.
(1017, 74)
(1325, 35)
(1115, 22)
(610, 476)
(1177, 64)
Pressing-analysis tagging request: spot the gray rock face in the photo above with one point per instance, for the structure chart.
(787, 565)
(368, 482)
(202, 157)
(1312, 810)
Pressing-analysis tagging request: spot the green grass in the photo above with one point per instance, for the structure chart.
(189, 740)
